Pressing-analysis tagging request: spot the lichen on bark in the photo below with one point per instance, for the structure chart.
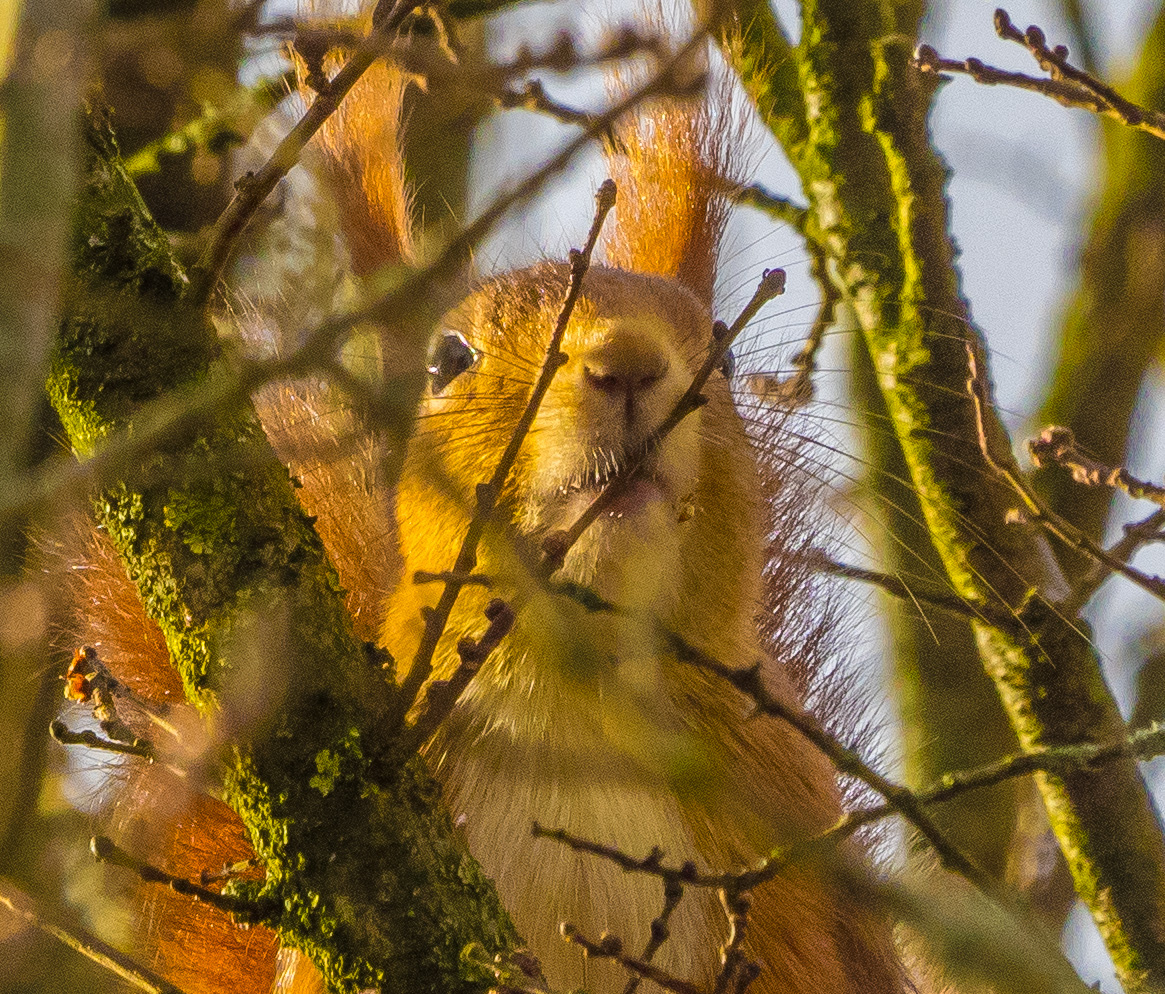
(877, 211)
(369, 876)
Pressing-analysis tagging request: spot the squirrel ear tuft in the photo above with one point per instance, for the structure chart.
(360, 149)
(675, 164)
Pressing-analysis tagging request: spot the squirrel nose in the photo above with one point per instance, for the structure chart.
(625, 363)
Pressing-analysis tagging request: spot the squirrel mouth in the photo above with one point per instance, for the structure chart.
(643, 489)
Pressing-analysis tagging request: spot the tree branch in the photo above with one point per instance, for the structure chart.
(39, 917)
(1067, 84)
(254, 187)
(867, 157)
(396, 911)
(488, 492)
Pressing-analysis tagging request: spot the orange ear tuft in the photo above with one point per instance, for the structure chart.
(362, 165)
(672, 165)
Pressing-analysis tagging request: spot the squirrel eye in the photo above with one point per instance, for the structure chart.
(728, 366)
(452, 356)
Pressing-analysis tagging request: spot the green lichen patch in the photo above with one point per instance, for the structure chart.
(362, 862)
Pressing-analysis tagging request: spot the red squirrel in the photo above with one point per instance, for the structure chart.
(579, 720)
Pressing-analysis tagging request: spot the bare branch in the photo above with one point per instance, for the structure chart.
(1056, 445)
(35, 915)
(442, 695)
(847, 760)
(488, 493)
(448, 576)
(734, 965)
(87, 737)
(533, 96)
(89, 682)
(1039, 512)
(896, 586)
(1145, 744)
(673, 892)
(611, 947)
(1067, 85)
(106, 851)
(253, 188)
(796, 390)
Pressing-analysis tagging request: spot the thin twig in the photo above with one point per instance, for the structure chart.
(106, 851)
(36, 915)
(999, 617)
(1056, 445)
(1144, 744)
(253, 188)
(1064, 530)
(533, 96)
(441, 695)
(88, 681)
(734, 964)
(443, 70)
(777, 207)
(748, 682)
(488, 493)
(1068, 85)
(796, 390)
(611, 947)
(1136, 535)
(423, 576)
(229, 872)
(87, 737)
(1055, 62)
(673, 892)
(558, 543)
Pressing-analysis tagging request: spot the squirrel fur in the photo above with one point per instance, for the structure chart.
(583, 721)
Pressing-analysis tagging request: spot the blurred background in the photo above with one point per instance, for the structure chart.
(1061, 228)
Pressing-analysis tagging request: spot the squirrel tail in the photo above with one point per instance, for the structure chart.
(155, 811)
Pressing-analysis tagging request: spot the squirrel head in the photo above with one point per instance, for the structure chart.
(633, 344)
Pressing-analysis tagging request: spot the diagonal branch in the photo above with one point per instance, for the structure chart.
(253, 188)
(35, 915)
(488, 492)
(1039, 512)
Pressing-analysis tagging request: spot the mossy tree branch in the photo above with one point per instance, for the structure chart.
(877, 208)
(360, 854)
(945, 695)
(951, 715)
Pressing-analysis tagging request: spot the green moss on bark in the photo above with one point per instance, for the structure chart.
(877, 209)
(361, 858)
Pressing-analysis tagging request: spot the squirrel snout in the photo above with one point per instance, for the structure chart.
(625, 364)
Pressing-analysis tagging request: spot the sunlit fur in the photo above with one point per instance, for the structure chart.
(585, 721)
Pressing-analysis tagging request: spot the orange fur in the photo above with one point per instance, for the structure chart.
(182, 829)
(335, 463)
(359, 146)
(579, 719)
(672, 166)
